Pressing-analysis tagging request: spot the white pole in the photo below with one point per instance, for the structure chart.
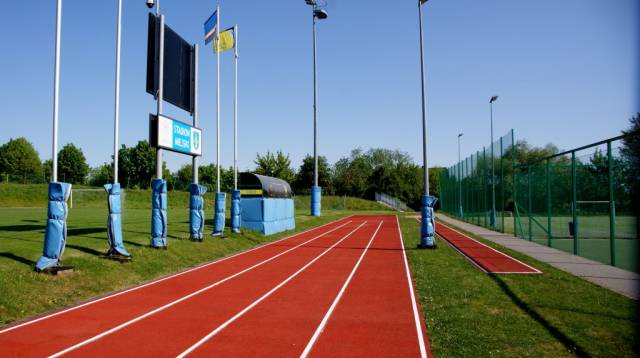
(160, 91)
(424, 114)
(235, 112)
(218, 101)
(56, 80)
(315, 106)
(194, 161)
(117, 95)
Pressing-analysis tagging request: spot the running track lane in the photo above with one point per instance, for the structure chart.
(180, 322)
(378, 316)
(484, 257)
(170, 332)
(56, 331)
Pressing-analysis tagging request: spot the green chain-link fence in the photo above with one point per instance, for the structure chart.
(579, 201)
(467, 191)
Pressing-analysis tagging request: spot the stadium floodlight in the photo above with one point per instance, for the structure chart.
(321, 14)
(493, 99)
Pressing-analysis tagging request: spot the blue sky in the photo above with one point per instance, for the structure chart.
(566, 72)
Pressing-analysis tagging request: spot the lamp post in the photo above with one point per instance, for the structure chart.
(427, 228)
(460, 212)
(492, 220)
(319, 14)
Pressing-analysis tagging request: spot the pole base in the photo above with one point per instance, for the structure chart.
(426, 247)
(57, 270)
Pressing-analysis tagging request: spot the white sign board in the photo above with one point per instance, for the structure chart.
(179, 137)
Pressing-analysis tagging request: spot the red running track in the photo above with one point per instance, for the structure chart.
(340, 289)
(484, 257)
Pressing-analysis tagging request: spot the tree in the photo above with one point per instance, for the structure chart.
(278, 166)
(137, 165)
(305, 175)
(101, 175)
(20, 161)
(208, 178)
(72, 165)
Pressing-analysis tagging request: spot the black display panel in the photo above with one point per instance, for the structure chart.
(178, 66)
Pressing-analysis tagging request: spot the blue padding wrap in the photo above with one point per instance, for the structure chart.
(316, 196)
(55, 236)
(235, 211)
(114, 221)
(268, 215)
(218, 215)
(158, 213)
(196, 210)
(428, 224)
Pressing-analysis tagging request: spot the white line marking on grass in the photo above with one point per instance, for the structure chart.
(414, 305)
(325, 319)
(183, 298)
(501, 253)
(164, 278)
(263, 297)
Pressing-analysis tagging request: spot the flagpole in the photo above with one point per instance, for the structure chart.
(217, 44)
(235, 111)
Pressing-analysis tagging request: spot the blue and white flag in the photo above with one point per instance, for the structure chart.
(210, 27)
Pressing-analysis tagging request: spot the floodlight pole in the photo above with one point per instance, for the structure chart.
(56, 86)
(315, 105)
(116, 115)
(492, 220)
(160, 88)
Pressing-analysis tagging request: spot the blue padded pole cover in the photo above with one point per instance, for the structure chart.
(316, 196)
(235, 211)
(428, 224)
(196, 210)
(218, 215)
(158, 213)
(55, 236)
(114, 221)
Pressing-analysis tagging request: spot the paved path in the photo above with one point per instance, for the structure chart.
(615, 279)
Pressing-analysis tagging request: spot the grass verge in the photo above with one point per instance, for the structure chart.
(470, 313)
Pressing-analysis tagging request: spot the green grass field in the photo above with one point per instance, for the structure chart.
(469, 313)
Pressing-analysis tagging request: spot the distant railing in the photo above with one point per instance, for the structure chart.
(391, 201)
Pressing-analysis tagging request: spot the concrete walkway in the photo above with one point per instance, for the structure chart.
(615, 279)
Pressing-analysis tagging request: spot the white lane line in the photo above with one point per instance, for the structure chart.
(325, 319)
(414, 305)
(536, 271)
(163, 279)
(263, 297)
(183, 298)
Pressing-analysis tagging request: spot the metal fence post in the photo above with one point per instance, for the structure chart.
(501, 186)
(574, 206)
(612, 207)
(549, 202)
(513, 168)
(529, 204)
(484, 187)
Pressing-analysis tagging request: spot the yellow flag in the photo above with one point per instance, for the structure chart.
(227, 41)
